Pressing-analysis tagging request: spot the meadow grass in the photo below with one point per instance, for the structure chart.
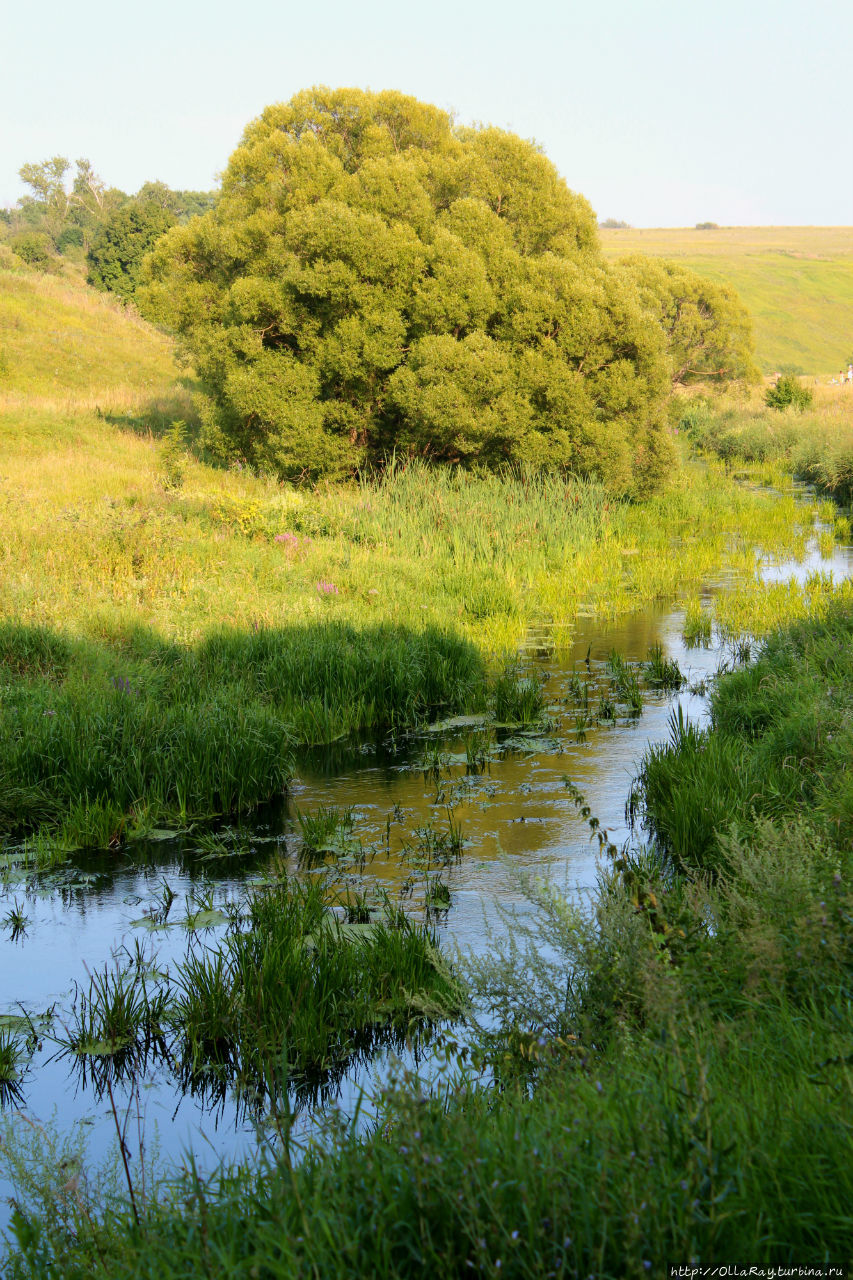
(65, 345)
(212, 623)
(796, 282)
(97, 543)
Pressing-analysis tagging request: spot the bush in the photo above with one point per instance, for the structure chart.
(34, 248)
(788, 391)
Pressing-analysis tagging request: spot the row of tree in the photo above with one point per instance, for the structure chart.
(374, 278)
(72, 213)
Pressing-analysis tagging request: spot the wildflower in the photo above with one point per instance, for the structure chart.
(513, 1235)
(288, 540)
(327, 588)
(598, 1087)
(49, 712)
(683, 1185)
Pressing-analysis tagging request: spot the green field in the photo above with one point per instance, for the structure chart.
(796, 281)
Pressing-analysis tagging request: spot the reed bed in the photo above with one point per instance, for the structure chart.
(100, 741)
(278, 1008)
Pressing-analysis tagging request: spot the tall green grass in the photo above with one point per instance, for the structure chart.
(780, 742)
(285, 1001)
(100, 740)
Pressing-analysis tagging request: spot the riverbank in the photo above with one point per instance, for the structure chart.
(672, 1064)
(196, 628)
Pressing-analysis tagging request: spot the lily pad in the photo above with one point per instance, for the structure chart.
(207, 919)
(153, 926)
(457, 722)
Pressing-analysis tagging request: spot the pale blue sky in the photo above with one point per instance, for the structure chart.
(662, 112)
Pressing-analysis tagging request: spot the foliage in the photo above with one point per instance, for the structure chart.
(788, 392)
(33, 247)
(372, 278)
(122, 241)
(707, 329)
(183, 205)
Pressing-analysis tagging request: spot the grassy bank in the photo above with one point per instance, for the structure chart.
(672, 1066)
(796, 282)
(173, 633)
(814, 445)
(104, 740)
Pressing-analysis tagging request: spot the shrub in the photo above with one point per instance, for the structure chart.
(34, 248)
(788, 391)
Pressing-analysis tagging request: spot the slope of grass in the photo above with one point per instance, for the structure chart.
(797, 283)
(65, 345)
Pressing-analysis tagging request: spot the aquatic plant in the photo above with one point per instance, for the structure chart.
(626, 685)
(327, 829)
(477, 754)
(518, 699)
(661, 672)
(697, 625)
(16, 921)
(298, 987)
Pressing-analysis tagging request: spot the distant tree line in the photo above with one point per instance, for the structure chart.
(72, 215)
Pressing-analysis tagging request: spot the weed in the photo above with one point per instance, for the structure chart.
(661, 672)
(518, 699)
(697, 625)
(16, 921)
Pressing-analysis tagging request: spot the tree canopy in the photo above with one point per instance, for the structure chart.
(373, 278)
(121, 242)
(707, 328)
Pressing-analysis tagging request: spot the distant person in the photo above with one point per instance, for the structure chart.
(850, 373)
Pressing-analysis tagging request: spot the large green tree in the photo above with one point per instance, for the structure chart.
(374, 278)
(708, 330)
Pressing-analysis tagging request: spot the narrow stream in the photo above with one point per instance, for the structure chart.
(516, 815)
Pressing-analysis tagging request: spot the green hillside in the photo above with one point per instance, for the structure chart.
(63, 344)
(796, 281)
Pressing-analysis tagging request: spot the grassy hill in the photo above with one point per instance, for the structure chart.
(796, 281)
(65, 346)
